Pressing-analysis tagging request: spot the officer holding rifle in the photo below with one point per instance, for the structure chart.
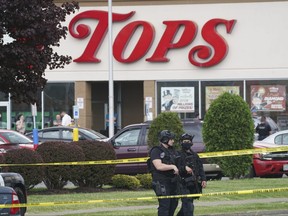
(192, 174)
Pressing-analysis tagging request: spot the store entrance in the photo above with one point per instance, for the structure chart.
(5, 115)
(128, 103)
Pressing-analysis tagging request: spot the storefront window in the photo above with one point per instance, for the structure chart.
(268, 97)
(57, 97)
(210, 90)
(25, 109)
(180, 97)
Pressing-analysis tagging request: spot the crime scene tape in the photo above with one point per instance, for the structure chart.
(241, 192)
(139, 160)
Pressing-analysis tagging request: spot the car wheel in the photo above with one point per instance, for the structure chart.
(22, 199)
(219, 176)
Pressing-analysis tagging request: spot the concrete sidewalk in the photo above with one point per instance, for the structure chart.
(197, 203)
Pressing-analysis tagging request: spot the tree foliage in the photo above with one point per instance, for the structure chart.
(165, 121)
(35, 27)
(228, 125)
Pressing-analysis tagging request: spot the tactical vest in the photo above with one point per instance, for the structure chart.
(169, 158)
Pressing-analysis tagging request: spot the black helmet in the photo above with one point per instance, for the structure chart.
(165, 136)
(184, 138)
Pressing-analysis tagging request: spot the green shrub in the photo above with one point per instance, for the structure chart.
(165, 121)
(2, 161)
(56, 177)
(32, 175)
(145, 180)
(96, 175)
(228, 125)
(125, 182)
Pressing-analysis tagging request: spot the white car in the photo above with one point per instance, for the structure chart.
(279, 138)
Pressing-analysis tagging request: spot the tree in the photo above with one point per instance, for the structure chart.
(35, 27)
(228, 125)
(165, 121)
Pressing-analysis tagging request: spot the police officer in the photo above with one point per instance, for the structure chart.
(164, 172)
(263, 129)
(192, 174)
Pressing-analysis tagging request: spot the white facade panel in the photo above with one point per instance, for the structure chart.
(257, 44)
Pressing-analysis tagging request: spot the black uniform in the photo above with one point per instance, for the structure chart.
(191, 183)
(263, 129)
(164, 183)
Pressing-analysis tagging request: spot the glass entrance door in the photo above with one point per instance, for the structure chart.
(5, 115)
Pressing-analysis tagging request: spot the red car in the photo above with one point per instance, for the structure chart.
(10, 139)
(273, 164)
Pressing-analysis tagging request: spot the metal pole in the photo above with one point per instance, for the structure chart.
(111, 87)
(42, 109)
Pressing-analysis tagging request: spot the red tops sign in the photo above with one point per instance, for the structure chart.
(209, 55)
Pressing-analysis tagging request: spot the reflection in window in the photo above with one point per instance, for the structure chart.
(51, 134)
(285, 139)
(128, 138)
(278, 140)
(67, 134)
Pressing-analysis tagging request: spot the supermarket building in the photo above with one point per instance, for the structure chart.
(172, 55)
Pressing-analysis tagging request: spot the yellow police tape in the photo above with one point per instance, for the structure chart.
(139, 160)
(241, 192)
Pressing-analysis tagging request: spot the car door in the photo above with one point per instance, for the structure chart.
(126, 145)
(143, 149)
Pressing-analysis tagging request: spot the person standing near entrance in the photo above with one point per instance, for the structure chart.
(57, 121)
(107, 123)
(20, 124)
(263, 129)
(66, 119)
(165, 173)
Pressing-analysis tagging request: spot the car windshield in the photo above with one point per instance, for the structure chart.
(92, 134)
(13, 137)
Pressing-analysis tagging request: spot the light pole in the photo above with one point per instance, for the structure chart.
(111, 84)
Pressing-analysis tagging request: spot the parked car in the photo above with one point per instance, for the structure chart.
(279, 138)
(131, 142)
(10, 139)
(9, 196)
(61, 133)
(15, 181)
(273, 164)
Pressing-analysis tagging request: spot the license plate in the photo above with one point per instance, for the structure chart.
(285, 167)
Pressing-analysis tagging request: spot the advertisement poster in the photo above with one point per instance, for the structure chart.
(148, 107)
(177, 99)
(213, 92)
(268, 98)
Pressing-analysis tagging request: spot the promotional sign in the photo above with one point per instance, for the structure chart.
(177, 99)
(76, 112)
(268, 97)
(213, 92)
